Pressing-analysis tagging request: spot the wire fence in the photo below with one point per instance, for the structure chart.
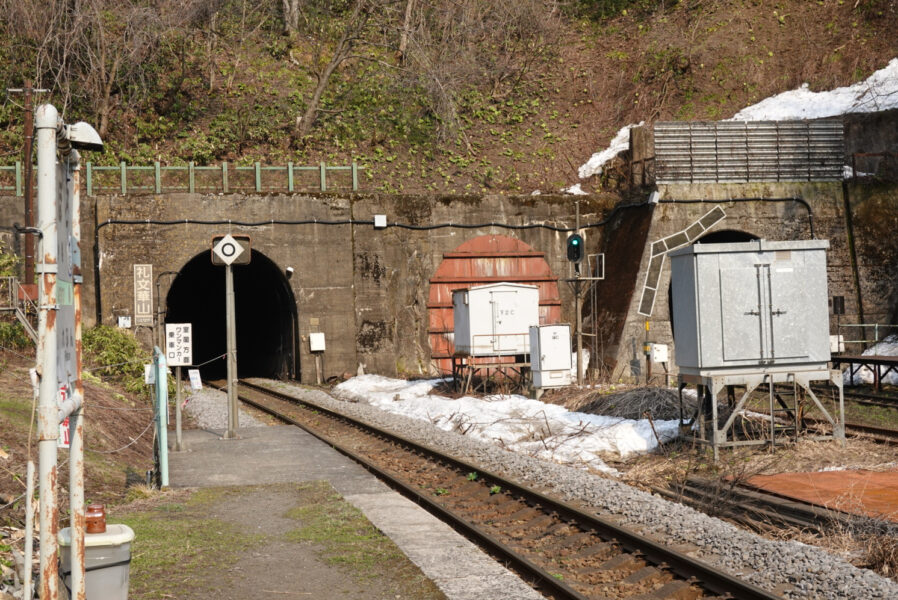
(192, 178)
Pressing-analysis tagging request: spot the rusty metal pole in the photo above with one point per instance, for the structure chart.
(579, 310)
(76, 419)
(48, 411)
(29, 192)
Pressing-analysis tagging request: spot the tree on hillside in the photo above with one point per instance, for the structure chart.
(102, 52)
(468, 44)
(338, 27)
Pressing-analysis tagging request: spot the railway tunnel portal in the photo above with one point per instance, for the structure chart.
(266, 316)
(368, 289)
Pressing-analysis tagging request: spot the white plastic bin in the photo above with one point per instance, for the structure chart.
(107, 561)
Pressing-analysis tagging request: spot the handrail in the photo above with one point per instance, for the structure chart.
(185, 177)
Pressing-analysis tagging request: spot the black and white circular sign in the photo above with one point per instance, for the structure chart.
(228, 249)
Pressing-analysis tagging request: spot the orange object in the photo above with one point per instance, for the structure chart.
(871, 493)
(96, 518)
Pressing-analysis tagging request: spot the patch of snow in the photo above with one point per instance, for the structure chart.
(535, 193)
(887, 347)
(514, 422)
(598, 160)
(877, 92)
(576, 190)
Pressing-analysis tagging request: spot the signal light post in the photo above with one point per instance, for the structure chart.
(576, 252)
(231, 250)
(575, 255)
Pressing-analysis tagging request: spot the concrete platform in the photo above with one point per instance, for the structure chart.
(285, 454)
(870, 493)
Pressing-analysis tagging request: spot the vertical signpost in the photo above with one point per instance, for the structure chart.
(178, 352)
(231, 250)
(143, 295)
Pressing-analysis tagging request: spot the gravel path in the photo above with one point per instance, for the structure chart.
(209, 408)
(792, 569)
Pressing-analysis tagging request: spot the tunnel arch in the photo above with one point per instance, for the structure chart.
(266, 316)
(480, 260)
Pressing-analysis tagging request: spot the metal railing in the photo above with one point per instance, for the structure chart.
(876, 327)
(14, 299)
(224, 178)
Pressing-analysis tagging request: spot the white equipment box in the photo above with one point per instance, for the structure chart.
(550, 355)
(659, 353)
(494, 319)
(750, 305)
(316, 342)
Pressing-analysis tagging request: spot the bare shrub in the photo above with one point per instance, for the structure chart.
(456, 46)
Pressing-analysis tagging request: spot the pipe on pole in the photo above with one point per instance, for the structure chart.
(76, 419)
(161, 376)
(29, 530)
(46, 123)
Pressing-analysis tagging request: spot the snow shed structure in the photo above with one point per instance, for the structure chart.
(483, 260)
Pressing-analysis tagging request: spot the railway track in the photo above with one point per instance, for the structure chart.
(563, 551)
(863, 398)
(760, 510)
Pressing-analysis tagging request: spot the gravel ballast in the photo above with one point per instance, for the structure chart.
(792, 569)
(209, 408)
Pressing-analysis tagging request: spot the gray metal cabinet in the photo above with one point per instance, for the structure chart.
(750, 305)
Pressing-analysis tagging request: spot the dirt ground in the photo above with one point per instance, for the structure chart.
(275, 541)
(118, 437)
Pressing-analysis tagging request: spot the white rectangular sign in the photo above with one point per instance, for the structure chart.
(195, 382)
(149, 374)
(178, 344)
(143, 295)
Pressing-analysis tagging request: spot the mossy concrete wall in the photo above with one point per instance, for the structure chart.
(762, 210)
(366, 288)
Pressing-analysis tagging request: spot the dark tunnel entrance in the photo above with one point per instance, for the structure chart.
(267, 326)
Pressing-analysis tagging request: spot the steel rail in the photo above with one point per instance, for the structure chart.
(710, 578)
(752, 506)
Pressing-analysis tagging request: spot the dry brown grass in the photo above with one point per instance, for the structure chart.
(882, 554)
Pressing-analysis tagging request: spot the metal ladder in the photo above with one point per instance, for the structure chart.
(14, 299)
(780, 408)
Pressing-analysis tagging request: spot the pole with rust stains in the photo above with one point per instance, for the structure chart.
(27, 151)
(48, 411)
(76, 419)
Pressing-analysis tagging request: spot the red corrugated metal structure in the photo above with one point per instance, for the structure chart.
(482, 260)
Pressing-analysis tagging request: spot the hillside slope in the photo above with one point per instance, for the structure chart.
(518, 112)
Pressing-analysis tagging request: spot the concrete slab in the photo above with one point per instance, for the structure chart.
(277, 454)
(283, 454)
(458, 567)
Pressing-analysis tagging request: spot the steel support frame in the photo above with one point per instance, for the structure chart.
(718, 382)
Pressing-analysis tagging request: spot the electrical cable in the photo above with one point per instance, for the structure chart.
(559, 228)
(131, 443)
